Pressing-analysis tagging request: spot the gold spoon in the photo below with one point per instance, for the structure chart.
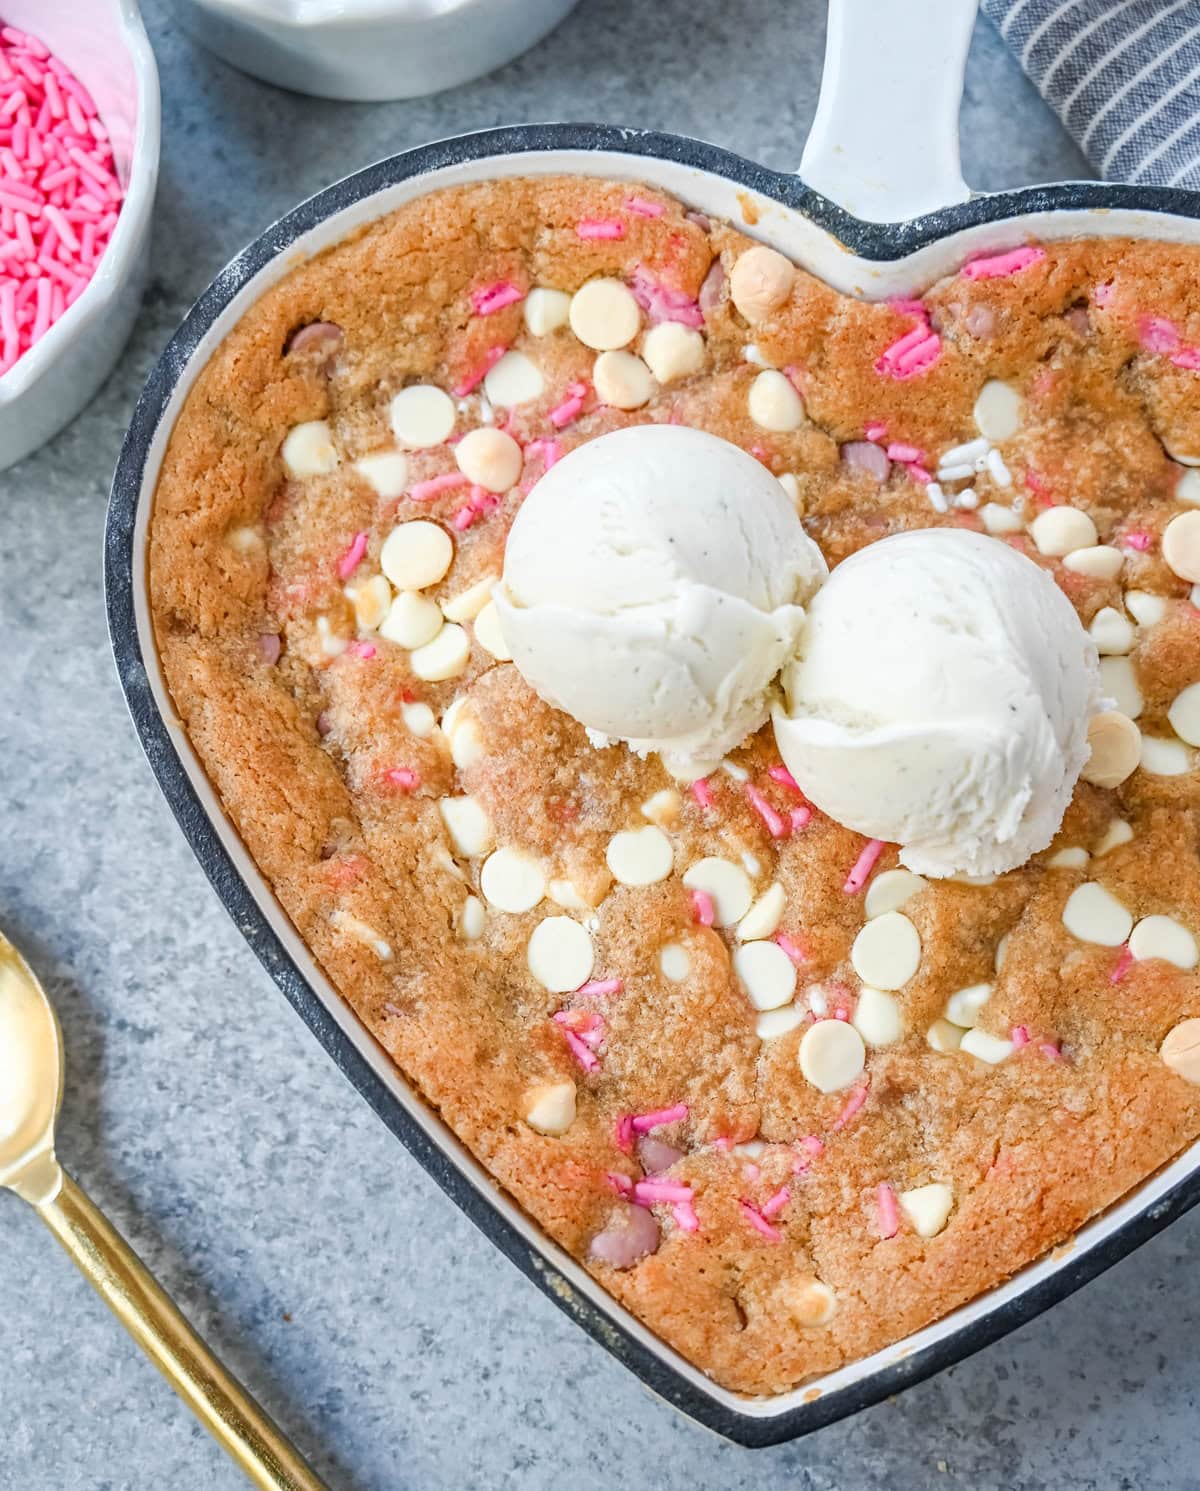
(31, 1084)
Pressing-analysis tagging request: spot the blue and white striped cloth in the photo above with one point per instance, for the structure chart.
(1122, 75)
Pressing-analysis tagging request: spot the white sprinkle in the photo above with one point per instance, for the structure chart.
(960, 471)
(997, 470)
(957, 455)
(937, 498)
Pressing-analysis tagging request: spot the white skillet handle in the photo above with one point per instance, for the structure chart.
(884, 143)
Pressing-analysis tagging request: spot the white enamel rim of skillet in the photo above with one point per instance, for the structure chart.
(796, 221)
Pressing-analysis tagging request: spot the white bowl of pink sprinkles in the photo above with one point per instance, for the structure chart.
(79, 141)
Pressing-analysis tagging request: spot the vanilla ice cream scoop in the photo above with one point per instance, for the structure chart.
(654, 584)
(940, 701)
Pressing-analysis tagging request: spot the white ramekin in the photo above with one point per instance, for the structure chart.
(369, 49)
(104, 43)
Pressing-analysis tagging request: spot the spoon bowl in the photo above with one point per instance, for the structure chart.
(31, 1081)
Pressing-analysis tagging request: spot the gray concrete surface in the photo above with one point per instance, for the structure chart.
(372, 1318)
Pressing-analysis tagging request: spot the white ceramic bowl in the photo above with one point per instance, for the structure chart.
(104, 43)
(370, 49)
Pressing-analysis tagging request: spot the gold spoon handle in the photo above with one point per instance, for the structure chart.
(218, 1400)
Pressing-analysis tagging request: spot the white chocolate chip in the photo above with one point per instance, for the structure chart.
(1111, 632)
(640, 856)
(732, 769)
(832, 1055)
(564, 894)
(963, 1008)
(674, 962)
(771, 1024)
(244, 540)
(489, 458)
(1163, 757)
(1117, 833)
(308, 450)
(1069, 859)
(1187, 489)
(944, 1035)
(809, 1302)
(791, 485)
(362, 932)
(990, 1048)
(760, 281)
(890, 891)
(472, 919)
(927, 1208)
(1181, 546)
(1181, 1050)
(469, 827)
(768, 975)
(998, 410)
(887, 951)
(550, 1108)
(1146, 608)
(385, 473)
(512, 880)
(1100, 561)
(1116, 747)
(422, 416)
(418, 719)
(445, 657)
(1094, 914)
(1001, 952)
(1000, 519)
(546, 310)
(416, 554)
(604, 315)
(467, 604)
(1184, 714)
(763, 918)
(1059, 530)
(513, 380)
(1164, 937)
(333, 644)
(774, 404)
(726, 883)
(560, 954)
(412, 621)
(461, 730)
(371, 601)
(622, 380)
(663, 808)
(489, 636)
(877, 1017)
(673, 351)
(1119, 681)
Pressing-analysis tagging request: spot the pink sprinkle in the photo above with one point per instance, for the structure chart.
(351, 559)
(875, 430)
(1019, 1036)
(702, 907)
(570, 407)
(905, 454)
(434, 486)
(404, 777)
(464, 518)
(585, 1024)
(473, 380)
(1188, 358)
(650, 1191)
(581, 1051)
(759, 1222)
(784, 777)
(863, 867)
(1050, 1050)
(486, 300)
(550, 451)
(852, 1105)
(1103, 294)
(998, 266)
(751, 1171)
(602, 986)
(777, 1202)
(1158, 334)
(364, 650)
(600, 227)
(777, 826)
(724, 1143)
(790, 946)
(913, 353)
(620, 1183)
(1122, 966)
(1137, 539)
(644, 1122)
(910, 308)
(685, 1216)
(800, 817)
(919, 473)
(641, 208)
(814, 1145)
(889, 1213)
(623, 1133)
(662, 302)
(702, 793)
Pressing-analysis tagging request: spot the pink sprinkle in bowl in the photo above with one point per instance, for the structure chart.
(104, 43)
